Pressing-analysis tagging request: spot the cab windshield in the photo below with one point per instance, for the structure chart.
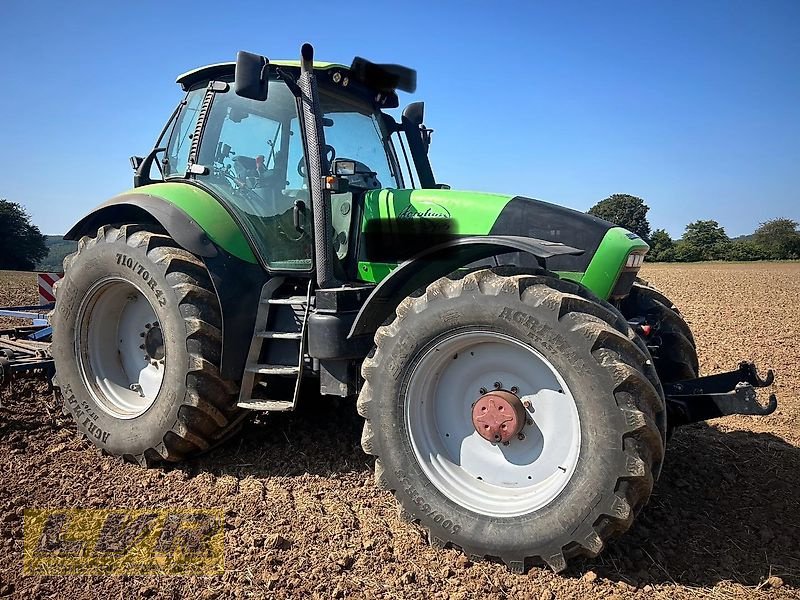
(255, 156)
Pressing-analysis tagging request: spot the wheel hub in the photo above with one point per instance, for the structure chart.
(154, 342)
(498, 416)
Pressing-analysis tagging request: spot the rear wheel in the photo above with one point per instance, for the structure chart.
(513, 416)
(137, 344)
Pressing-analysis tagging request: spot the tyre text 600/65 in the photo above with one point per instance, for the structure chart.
(424, 507)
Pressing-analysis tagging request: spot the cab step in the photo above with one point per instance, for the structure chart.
(276, 314)
(291, 300)
(280, 335)
(268, 405)
(273, 369)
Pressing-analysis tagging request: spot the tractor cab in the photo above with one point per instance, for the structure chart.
(249, 150)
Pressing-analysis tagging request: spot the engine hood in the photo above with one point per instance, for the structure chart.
(397, 224)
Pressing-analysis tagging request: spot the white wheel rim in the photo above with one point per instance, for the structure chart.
(121, 361)
(491, 479)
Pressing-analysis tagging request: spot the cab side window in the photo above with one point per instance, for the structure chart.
(180, 140)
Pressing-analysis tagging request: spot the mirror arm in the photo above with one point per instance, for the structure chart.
(141, 175)
(290, 82)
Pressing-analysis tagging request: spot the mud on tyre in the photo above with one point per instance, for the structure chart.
(137, 343)
(515, 333)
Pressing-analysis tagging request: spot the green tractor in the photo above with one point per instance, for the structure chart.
(517, 380)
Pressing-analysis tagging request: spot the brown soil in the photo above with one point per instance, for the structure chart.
(723, 522)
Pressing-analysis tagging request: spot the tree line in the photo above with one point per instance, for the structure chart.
(775, 239)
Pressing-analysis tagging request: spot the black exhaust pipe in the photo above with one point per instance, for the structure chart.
(317, 167)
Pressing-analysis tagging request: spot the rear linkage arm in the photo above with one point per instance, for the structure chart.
(730, 393)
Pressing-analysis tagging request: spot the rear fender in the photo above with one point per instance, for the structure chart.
(191, 216)
(439, 261)
(201, 225)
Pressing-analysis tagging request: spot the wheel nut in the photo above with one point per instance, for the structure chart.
(514, 389)
(497, 385)
(521, 436)
(527, 404)
(482, 392)
(147, 326)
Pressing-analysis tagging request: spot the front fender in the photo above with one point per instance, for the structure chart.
(441, 260)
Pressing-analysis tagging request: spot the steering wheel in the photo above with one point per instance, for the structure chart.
(330, 154)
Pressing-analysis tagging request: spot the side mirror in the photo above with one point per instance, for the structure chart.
(252, 76)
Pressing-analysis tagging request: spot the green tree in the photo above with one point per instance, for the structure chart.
(662, 248)
(626, 211)
(21, 243)
(703, 240)
(778, 238)
(744, 250)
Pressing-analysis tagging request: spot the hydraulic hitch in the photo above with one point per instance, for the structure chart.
(731, 393)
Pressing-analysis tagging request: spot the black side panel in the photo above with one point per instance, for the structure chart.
(132, 208)
(238, 285)
(442, 260)
(537, 219)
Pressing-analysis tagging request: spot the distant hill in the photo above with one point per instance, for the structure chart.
(58, 248)
(743, 238)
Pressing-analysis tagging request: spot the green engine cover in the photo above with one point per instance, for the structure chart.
(441, 213)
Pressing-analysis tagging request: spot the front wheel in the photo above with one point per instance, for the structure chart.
(513, 417)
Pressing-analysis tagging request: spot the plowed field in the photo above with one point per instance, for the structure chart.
(303, 518)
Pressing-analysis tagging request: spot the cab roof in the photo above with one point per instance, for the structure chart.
(209, 72)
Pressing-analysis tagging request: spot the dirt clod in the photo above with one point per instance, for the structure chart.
(774, 582)
(589, 577)
(276, 542)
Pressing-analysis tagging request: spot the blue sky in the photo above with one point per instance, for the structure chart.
(694, 106)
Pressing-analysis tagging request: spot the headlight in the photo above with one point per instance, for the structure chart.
(628, 275)
(634, 261)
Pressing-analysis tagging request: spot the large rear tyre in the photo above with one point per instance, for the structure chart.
(676, 357)
(137, 344)
(581, 455)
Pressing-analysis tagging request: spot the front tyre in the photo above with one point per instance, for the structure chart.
(513, 417)
(137, 344)
(676, 357)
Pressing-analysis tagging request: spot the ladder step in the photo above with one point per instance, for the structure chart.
(280, 335)
(273, 369)
(293, 300)
(269, 405)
